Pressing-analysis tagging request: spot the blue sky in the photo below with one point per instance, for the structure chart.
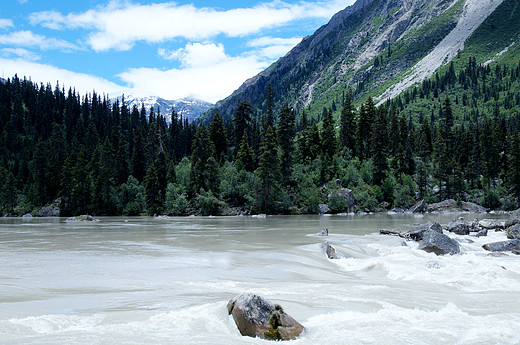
(203, 49)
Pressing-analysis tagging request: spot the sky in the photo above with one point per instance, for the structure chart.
(202, 49)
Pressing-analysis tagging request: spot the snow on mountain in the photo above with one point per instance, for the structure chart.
(189, 108)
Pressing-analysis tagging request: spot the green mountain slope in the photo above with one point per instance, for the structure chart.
(376, 45)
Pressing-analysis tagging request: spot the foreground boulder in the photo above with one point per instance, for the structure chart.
(502, 246)
(438, 243)
(416, 233)
(252, 312)
(329, 250)
(458, 226)
(513, 232)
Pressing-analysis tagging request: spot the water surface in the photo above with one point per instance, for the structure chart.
(168, 281)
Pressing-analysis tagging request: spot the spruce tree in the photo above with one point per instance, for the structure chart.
(268, 170)
(286, 141)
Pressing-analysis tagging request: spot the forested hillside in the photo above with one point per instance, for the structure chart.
(104, 159)
(453, 135)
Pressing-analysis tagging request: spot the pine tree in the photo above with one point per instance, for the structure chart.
(379, 145)
(217, 136)
(245, 155)
(347, 125)
(241, 120)
(268, 169)
(286, 141)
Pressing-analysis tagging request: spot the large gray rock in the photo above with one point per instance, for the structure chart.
(329, 250)
(251, 314)
(346, 194)
(416, 233)
(52, 210)
(435, 242)
(502, 246)
(451, 205)
(324, 208)
(513, 232)
(419, 207)
(458, 226)
(490, 224)
(514, 218)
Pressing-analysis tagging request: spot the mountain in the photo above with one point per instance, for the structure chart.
(375, 48)
(188, 108)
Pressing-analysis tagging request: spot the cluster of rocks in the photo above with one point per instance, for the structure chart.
(431, 237)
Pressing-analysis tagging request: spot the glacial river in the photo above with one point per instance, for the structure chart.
(168, 281)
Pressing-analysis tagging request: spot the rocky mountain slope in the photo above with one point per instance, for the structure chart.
(374, 47)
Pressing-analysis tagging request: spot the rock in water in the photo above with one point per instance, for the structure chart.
(491, 224)
(323, 232)
(513, 233)
(416, 233)
(251, 314)
(435, 242)
(502, 246)
(458, 226)
(329, 250)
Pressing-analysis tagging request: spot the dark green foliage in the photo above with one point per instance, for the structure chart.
(217, 136)
(286, 131)
(268, 170)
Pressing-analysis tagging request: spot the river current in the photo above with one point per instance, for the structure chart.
(167, 281)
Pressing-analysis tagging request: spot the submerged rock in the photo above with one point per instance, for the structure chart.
(82, 218)
(438, 243)
(502, 246)
(458, 226)
(416, 233)
(323, 232)
(329, 250)
(251, 313)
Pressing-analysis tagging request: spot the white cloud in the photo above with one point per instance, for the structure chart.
(196, 54)
(21, 53)
(118, 26)
(83, 83)
(30, 39)
(6, 23)
(209, 82)
(273, 47)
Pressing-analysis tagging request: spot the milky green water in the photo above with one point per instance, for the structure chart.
(167, 281)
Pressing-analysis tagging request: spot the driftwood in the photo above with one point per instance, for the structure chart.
(394, 233)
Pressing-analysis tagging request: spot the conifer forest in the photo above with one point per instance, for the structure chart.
(455, 136)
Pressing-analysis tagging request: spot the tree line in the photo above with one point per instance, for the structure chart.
(97, 157)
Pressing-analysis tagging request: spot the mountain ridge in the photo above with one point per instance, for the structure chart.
(188, 107)
(361, 49)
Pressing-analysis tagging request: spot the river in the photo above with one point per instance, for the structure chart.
(167, 281)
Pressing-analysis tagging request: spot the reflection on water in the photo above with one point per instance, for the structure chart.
(163, 281)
